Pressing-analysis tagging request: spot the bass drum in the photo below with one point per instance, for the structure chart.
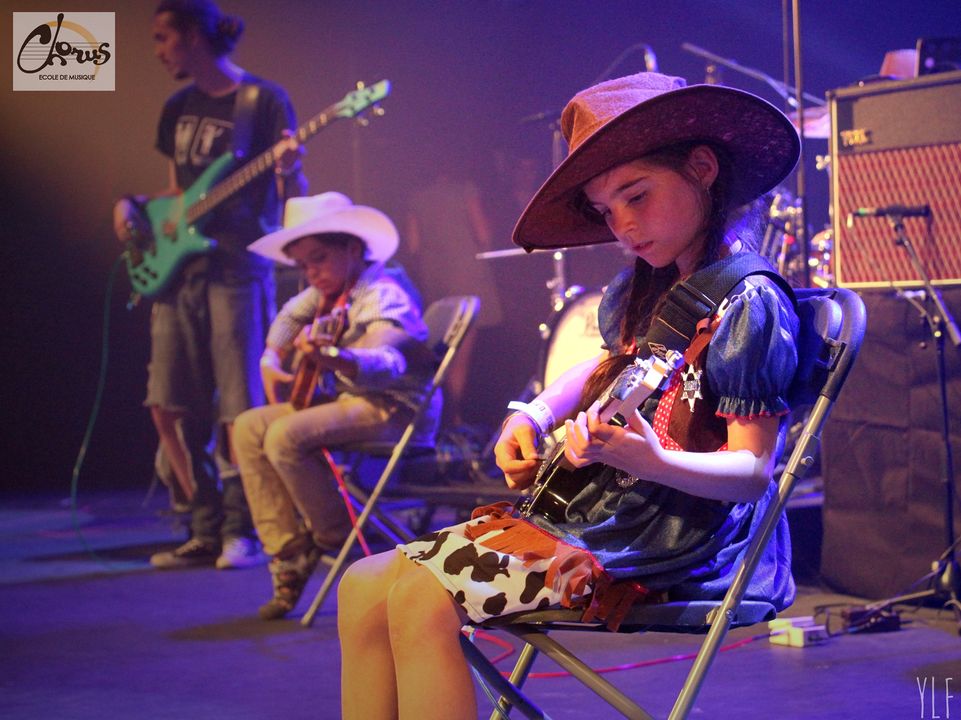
(574, 336)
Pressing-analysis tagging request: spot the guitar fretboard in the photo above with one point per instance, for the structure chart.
(351, 106)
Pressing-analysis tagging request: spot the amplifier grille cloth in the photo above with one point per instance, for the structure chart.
(930, 175)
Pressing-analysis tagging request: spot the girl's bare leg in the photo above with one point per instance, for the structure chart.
(433, 678)
(368, 682)
(400, 651)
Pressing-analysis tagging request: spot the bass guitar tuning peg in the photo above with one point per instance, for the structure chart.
(362, 121)
(377, 110)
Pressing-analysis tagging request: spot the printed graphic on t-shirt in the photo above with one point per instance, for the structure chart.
(199, 141)
(183, 134)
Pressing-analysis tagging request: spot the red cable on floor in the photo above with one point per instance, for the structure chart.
(646, 663)
(345, 496)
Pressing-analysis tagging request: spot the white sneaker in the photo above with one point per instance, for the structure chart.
(240, 552)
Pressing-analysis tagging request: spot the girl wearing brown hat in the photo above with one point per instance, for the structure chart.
(669, 499)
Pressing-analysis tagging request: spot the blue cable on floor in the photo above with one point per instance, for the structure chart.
(94, 412)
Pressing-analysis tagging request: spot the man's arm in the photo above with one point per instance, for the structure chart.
(129, 220)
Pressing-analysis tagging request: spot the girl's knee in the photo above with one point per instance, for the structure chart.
(358, 580)
(364, 586)
(418, 606)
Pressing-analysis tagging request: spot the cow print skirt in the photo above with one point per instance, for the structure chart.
(487, 582)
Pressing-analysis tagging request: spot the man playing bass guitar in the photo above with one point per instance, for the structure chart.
(366, 344)
(209, 319)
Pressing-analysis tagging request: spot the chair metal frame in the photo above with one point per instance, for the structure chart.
(444, 340)
(832, 327)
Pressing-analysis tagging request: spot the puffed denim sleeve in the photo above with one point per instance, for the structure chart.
(753, 355)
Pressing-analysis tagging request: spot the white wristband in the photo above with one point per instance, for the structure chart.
(538, 411)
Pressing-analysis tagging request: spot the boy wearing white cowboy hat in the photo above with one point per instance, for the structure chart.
(663, 170)
(369, 368)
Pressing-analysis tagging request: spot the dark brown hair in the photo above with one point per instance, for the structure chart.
(649, 285)
(221, 31)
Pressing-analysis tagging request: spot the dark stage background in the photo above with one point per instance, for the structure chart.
(464, 74)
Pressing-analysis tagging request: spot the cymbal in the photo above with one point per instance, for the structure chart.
(817, 122)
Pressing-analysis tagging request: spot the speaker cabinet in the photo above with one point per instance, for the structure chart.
(882, 454)
(897, 143)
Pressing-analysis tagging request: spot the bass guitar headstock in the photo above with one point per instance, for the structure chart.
(365, 97)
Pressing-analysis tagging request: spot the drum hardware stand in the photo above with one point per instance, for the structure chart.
(945, 577)
(801, 231)
(784, 216)
(560, 296)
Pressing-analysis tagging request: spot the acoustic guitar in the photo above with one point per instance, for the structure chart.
(309, 371)
(176, 222)
(558, 482)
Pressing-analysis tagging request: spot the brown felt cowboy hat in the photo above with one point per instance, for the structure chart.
(623, 119)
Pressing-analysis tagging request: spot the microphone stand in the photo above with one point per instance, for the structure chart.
(801, 227)
(946, 575)
(786, 92)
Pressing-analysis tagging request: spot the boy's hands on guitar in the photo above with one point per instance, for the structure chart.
(272, 374)
(516, 451)
(632, 448)
(310, 339)
(320, 346)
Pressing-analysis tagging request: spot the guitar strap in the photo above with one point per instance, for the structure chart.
(245, 107)
(689, 302)
(699, 296)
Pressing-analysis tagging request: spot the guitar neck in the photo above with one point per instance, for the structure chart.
(616, 409)
(243, 176)
(347, 108)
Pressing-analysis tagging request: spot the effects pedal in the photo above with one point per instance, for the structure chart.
(797, 632)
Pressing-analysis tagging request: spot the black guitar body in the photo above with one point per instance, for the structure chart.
(558, 481)
(556, 487)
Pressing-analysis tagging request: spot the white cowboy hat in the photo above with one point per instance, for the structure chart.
(330, 212)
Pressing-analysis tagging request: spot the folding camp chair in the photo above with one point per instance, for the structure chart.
(448, 321)
(832, 327)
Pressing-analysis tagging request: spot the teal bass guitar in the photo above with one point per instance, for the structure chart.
(176, 222)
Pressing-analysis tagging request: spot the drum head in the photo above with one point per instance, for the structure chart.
(575, 336)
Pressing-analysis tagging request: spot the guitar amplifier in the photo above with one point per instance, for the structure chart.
(897, 143)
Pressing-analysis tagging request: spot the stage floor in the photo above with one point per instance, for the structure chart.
(89, 631)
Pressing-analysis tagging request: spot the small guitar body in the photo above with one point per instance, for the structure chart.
(558, 482)
(309, 370)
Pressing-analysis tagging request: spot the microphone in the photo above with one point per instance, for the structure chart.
(650, 59)
(889, 211)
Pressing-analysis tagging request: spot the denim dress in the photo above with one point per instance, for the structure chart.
(670, 540)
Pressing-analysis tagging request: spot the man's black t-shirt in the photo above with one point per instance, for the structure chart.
(196, 129)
